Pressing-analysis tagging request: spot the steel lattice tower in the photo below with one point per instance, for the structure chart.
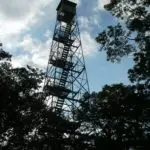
(66, 78)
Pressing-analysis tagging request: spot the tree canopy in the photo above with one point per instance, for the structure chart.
(122, 113)
(131, 37)
(26, 122)
(120, 116)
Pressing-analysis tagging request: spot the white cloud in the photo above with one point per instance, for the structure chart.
(33, 52)
(95, 19)
(89, 44)
(84, 22)
(19, 15)
(36, 53)
(101, 3)
(21, 9)
(21, 60)
(16, 19)
(88, 23)
(48, 33)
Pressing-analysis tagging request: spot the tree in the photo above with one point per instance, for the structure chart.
(119, 116)
(123, 112)
(133, 37)
(26, 121)
(21, 104)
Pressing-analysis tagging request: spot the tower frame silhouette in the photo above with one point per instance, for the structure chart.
(66, 77)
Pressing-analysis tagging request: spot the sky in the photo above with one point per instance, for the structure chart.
(26, 30)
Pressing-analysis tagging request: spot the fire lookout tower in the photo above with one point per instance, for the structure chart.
(66, 78)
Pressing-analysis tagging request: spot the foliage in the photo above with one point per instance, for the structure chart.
(120, 115)
(20, 104)
(123, 112)
(26, 122)
(114, 41)
(131, 38)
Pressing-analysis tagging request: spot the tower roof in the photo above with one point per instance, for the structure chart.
(66, 2)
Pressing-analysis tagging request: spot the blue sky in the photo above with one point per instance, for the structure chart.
(26, 29)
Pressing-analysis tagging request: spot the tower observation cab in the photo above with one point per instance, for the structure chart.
(66, 11)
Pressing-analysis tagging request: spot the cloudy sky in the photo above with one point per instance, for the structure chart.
(26, 29)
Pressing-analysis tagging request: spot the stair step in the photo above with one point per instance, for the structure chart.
(60, 105)
(63, 82)
(64, 56)
(65, 72)
(65, 53)
(66, 50)
(59, 108)
(63, 78)
(66, 47)
(60, 102)
(64, 75)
